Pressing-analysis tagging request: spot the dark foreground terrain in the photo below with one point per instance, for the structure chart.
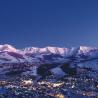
(84, 85)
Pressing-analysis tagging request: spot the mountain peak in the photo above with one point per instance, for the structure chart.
(7, 47)
(86, 49)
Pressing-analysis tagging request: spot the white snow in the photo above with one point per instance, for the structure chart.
(38, 54)
(7, 47)
(58, 72)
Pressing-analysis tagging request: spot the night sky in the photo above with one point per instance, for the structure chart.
(41, 23)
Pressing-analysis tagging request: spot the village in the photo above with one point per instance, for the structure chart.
(83, 85)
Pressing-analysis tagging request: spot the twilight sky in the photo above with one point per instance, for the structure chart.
(41, 23)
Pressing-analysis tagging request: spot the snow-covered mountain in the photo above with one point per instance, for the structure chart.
(7, 47)
(34, 55)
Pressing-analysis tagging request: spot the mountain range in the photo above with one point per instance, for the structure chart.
(34, 55)
(46, 61)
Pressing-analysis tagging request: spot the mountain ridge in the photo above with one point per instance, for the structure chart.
(33, 55)
(8, 47)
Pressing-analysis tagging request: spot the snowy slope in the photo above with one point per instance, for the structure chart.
(82, 54)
